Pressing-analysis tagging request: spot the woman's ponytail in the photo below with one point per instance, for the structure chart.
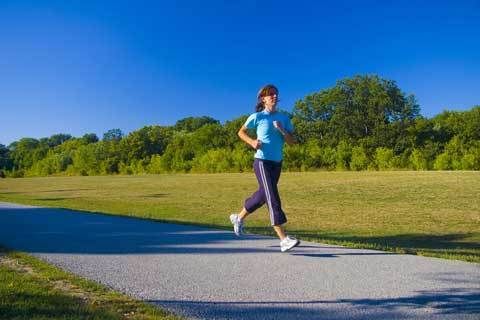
(259, 107)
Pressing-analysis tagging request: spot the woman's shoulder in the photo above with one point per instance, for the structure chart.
(259, 115)
(282, 115)
(252, 118)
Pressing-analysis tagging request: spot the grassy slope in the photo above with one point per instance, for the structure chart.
(429, 213)
(32, 289)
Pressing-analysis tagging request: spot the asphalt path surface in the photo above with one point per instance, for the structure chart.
(205, 273)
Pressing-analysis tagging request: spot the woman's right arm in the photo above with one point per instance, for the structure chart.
(243, 134)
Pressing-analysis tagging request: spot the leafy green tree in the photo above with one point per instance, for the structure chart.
(191, 124)
(420, 132)
(430, 150)
(145, 142)
(358, 107)
(113, 135)
(209, 136)
(57, 139)
(87, 161)
(308, 130)
(90, 138)
(231, 131)
(71, 145)
(110, 154)
(5, 161)
(471, 126)
(464, 124)
(24, 153)
(312, 116)
(53, 163)
(179, 154)
(363, 122)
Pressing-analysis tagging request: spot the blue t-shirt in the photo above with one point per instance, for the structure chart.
(271, 138)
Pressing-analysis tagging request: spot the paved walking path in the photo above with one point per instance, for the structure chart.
(211, 274)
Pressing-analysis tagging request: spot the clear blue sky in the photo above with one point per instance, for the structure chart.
(89, 66)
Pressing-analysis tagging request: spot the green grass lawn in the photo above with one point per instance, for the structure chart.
(432, 213)
(32, 290)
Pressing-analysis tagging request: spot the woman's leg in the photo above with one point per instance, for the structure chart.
(257, 199)
(243, 214)
(280, 232)
(269, 174)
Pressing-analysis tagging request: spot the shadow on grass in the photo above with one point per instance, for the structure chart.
(155, 195)
(336, 255)
(55, 199)
(459, 303)
(65, 190)
(49, 191)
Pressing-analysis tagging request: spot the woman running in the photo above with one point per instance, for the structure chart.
(273, 129)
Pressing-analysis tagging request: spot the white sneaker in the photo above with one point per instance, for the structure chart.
(237, 224)
(288, 243)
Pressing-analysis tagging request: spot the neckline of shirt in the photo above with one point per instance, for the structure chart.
(266, 112)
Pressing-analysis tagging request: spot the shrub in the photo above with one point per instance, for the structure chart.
(329, 158)
(294, 157)
(359, 159)
(443, 162)
(213, 161)
(242, 158)
(384, 158)
(343, 155)
(418, 161)
(156, 165)
(313, 154)
(468, 162)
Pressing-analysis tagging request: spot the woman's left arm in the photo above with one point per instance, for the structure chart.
(289, 138)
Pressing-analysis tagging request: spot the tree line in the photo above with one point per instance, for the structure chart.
(362, 123)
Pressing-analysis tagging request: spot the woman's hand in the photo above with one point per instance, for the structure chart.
(278, 126)
(256, 144)
(286, 135)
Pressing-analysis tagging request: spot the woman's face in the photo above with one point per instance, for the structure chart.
(270, 101)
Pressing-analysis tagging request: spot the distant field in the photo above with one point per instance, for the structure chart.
(433, 213)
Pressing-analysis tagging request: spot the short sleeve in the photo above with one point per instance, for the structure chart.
(288, 125)
(251, 122)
